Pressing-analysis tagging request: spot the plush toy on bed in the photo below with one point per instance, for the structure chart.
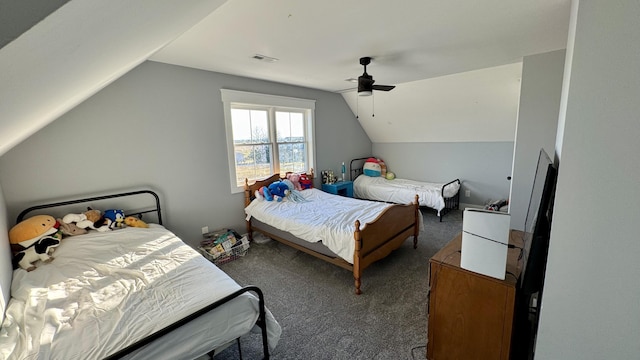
(29, 231)
(371, 167)
(295, 180)
(33, 239)
(305, 181)
(279, 190)
(41, 250)
(70, 229)
(90, 219)
(135, 222)
(116, 217)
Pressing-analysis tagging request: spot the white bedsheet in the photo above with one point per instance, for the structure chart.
(104, 291)
(402, 191)
(324, 217)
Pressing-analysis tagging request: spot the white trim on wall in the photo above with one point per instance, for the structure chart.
(250, 98)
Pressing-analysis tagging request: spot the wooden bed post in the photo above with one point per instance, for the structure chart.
(357, 272)
(416, 228)
(247, 201)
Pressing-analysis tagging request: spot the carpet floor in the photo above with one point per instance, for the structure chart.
(322, 318)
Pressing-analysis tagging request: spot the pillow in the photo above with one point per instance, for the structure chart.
(371, 167)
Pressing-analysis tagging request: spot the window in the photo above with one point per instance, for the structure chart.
(267, 134)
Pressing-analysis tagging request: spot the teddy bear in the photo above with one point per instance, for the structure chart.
(295, 179)
(135, 222)
(90, 219)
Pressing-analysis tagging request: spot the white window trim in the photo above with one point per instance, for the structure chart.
(249, 98)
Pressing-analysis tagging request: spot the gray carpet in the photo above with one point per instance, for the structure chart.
(320, 315)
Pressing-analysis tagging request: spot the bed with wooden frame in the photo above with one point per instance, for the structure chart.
(443, 197)
(134, 293)
(373, 241)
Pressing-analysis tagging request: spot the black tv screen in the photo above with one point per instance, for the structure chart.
(538, 226)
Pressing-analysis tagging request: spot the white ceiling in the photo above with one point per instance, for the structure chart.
(85, 45)
(318, 43)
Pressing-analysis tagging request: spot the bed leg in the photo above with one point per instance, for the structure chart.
(357, 272)
(249, 231)
(239, 348)
(416, 227)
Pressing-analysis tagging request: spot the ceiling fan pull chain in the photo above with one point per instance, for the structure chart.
(357, 107)
(373, 105)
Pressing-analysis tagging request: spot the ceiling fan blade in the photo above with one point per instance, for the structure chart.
(383, 87)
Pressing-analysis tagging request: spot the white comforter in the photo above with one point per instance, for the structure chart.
(402, 191)
(323, 217)
(106, 290)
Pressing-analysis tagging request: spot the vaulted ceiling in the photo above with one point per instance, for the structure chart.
(84, 45)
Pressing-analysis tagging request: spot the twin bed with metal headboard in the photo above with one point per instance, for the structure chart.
(133, 293)
(443, 197)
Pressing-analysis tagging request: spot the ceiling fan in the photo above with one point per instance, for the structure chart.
(365, 81)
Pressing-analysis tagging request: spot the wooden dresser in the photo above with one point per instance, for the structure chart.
(471, 315)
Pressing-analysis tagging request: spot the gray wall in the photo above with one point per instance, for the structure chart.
(161, 126)
(537, 125)
(590, 302)
(17, 17)
(482, 167)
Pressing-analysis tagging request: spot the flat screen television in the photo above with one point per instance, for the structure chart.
(534, 253)
(537, 226)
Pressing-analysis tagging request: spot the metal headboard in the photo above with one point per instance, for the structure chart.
(354, 172)
(137, 213)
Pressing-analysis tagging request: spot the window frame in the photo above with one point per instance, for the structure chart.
(249, 100)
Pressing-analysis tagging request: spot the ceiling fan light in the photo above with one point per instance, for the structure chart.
(365, 93)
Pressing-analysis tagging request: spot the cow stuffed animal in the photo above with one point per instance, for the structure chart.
(41, 250)
(34, 239)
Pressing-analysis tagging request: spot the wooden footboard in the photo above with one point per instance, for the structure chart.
(374, 241)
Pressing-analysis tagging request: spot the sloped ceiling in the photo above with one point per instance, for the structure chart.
(77, 50)
(86, 44)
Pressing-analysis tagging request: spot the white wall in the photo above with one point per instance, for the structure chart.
(161, 126)
(6, 270)
(482, 167)
(590, 302)
(537, 125)
(474, 106)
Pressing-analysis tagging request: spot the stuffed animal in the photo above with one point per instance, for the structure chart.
(135, 222)
(116, 217)
(29, 231)
(90, 219)
(263, 194)
(278, 190)
(372, 167)
(305, 181)
(70, 229)
(41, 250)
(295, 179)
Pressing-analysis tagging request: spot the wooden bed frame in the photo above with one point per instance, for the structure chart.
(373, 242)
(450, 203)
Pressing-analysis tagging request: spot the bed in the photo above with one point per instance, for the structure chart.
(443, 197)
(132, 293)
(350, 233)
